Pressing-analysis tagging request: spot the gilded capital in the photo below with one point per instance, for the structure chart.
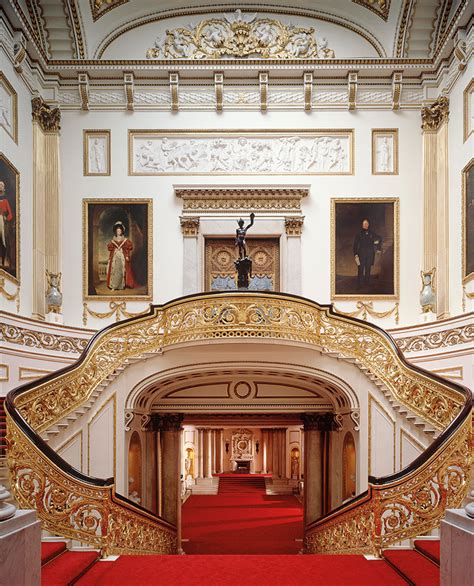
(434, 115)
(47, 117)
(172, 422)
(189, 226)
(293, 226)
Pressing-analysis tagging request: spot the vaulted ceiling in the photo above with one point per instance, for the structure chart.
(78, 29)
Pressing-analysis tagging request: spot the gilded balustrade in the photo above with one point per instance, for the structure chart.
(229, 316)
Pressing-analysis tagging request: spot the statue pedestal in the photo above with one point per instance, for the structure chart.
(457, 545)
(54, 318)
(244, 269)
(20, 549)
(427, 317)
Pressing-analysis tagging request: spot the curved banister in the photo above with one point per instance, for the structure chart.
(31, 408)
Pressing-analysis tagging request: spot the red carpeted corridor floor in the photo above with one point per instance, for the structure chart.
(242, 519)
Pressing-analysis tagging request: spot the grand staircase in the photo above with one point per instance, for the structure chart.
(241, 484)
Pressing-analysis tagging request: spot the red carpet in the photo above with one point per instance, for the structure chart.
(66, 567)
(242, 519)
(249, 570)
(51, 549)
(416, 568)
(430, 548)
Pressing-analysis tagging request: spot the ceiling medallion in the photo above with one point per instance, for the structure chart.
(242, 390)
(240, 35)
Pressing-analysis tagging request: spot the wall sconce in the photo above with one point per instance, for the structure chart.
(257, 446)
(227, 444)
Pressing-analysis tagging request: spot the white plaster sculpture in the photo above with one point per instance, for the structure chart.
(321, 154)
(97, 156)
(385, 155)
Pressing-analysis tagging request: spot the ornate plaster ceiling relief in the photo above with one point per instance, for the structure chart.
(101, 7)
(240, 35)
(380, 7)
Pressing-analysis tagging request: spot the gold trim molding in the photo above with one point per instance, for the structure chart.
(10, 296)
(44, 340)
(101, 7)
(468, 110)
(9, 89)
(379, 7)
(436, 340)
(197, 200)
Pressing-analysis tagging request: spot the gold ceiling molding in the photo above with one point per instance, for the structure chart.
(436, 340)
(101, 7)
(240, 35)
(238, 199)
(47, 117)
(379, 7)
(286, 12)
(435, 114)
(77, 39)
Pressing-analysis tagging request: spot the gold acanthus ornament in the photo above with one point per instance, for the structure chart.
(435, 114)
(240, 35)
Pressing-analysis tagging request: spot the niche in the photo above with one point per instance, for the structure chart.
(135, 469)
(349, 467)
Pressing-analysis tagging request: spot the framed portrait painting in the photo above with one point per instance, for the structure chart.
(468, 221)
(365, 248)
(8, 108)
(9, 220)
(96, 152)
(117, 257)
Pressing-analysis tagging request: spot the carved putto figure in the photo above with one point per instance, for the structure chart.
(240, 35)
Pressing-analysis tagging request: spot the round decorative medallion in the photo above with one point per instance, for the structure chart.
(242, 390)
(223, 258)
(260, 258)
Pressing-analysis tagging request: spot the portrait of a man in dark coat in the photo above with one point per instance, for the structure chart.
(366, 245)
(364, 248)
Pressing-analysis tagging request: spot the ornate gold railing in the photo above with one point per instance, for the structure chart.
(35, 407)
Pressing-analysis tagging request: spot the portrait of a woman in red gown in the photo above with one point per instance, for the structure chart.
(119, 268)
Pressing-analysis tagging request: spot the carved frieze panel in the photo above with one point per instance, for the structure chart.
(174, 152)
(220, 272)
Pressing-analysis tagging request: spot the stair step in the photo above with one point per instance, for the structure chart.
(67, 567)
(51, 549)
(430, 548)
(413, 566)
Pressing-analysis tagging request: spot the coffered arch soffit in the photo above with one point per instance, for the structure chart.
(242, 386)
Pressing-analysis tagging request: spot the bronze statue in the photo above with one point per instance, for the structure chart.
(240, 234)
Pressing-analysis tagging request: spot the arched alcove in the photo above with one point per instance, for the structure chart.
(135, 491)
(349, 464)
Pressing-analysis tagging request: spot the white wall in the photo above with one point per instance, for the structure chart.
(168, 243)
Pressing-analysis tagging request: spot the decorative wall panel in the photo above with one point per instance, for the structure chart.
(246, 152)
(220, 273)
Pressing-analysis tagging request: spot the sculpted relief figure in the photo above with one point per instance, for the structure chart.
(240, 35)
(385, 155)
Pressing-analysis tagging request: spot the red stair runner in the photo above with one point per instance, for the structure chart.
(246, 570)
(413, 566)
(50, 550)
(430, 548)
(241, 484)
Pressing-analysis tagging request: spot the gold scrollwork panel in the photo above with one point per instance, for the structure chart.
(78, 510)
(241, 316)
(404, 509)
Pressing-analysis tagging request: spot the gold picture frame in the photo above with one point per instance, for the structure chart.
(10, 175)
(347, 281)
(326, 156)
(468, 222)
(100, 218)
(9, 123)
(468, 110)
(96, 152)
(385, 155)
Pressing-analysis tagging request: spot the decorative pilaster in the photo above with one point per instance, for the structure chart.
(46, 199)
(190, 229)
(293, 228)
(171, 447)
(436, 194)
(315, 424)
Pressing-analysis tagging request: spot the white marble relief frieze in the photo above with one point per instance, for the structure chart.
(328, 153)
